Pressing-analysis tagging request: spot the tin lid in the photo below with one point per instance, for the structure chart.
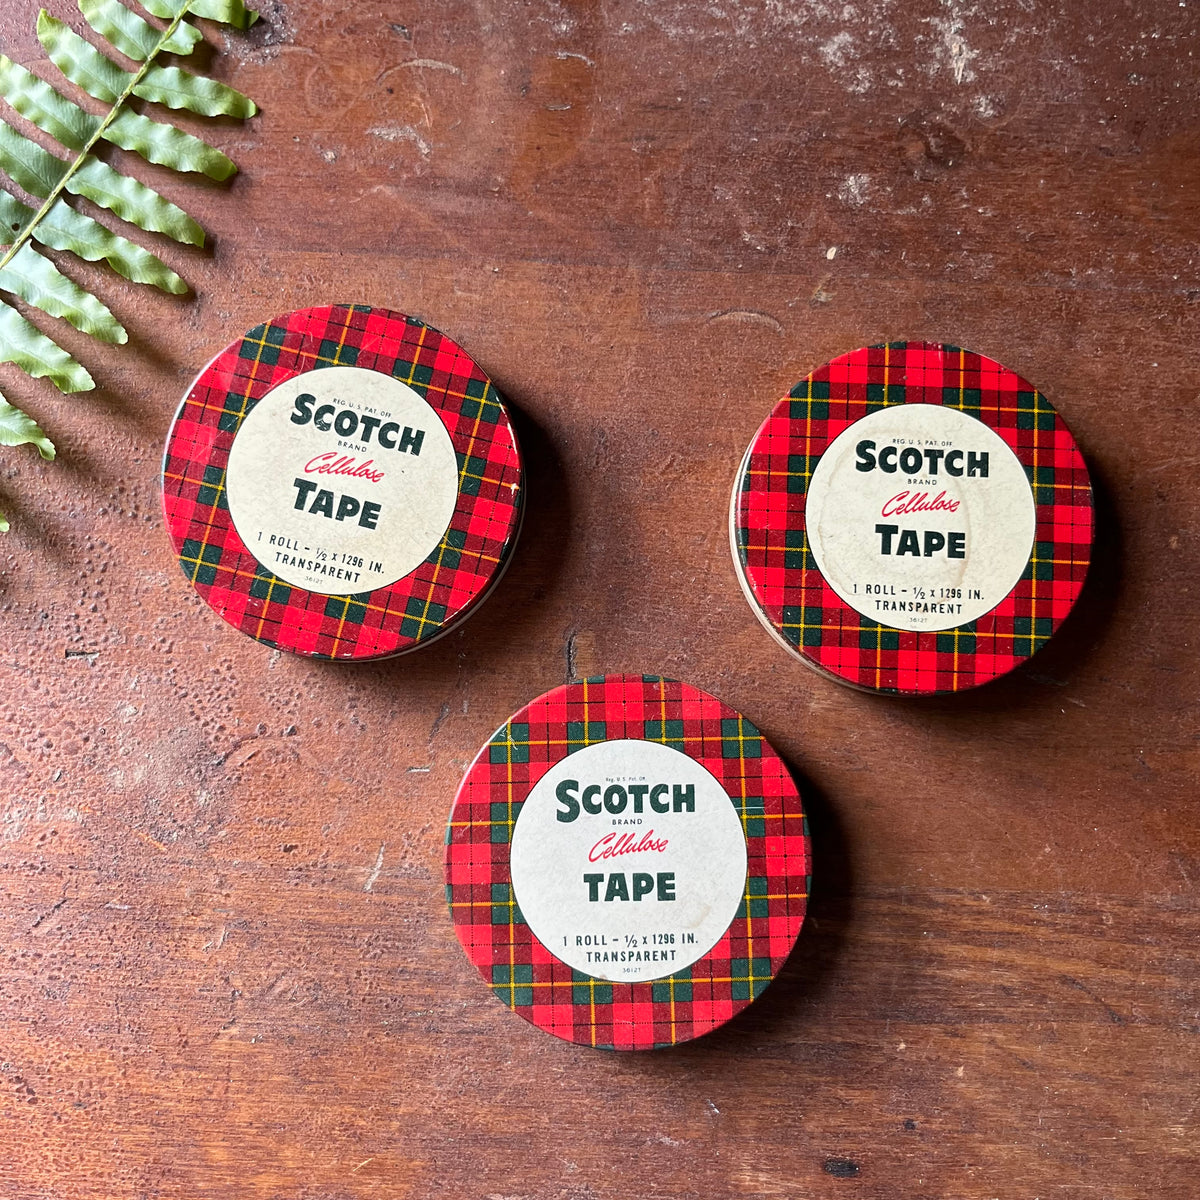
(627, 862)
(912, 518)
(343, 482)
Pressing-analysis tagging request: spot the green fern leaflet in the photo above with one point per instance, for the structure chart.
(43, 217)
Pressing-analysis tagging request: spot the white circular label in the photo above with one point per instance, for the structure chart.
(628, 860)
(920, 517)
(341, 480)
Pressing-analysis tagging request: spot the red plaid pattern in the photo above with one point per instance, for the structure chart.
(389, 620)
(780, 572)
(521, 971)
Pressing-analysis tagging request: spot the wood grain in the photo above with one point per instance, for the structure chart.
(227, 970)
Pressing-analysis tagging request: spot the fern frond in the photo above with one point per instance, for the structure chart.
(133, 201)
(178, 89)
(81, 62)
(76, 128)
(167, 146)
(228, 12)
(63, 228)
(20, 429)
(37, 170)
(42, 106)
(24, 345)
(102, 79)
(135, 38)
(37, 281)
(69, 124)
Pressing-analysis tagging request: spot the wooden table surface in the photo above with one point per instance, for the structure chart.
(227, 969)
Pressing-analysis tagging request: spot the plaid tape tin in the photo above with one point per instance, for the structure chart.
(912, 518)
(343, 482)
(627, 862)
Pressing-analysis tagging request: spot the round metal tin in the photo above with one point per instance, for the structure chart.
(343, 482)
(912, 518)
(627, 862)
